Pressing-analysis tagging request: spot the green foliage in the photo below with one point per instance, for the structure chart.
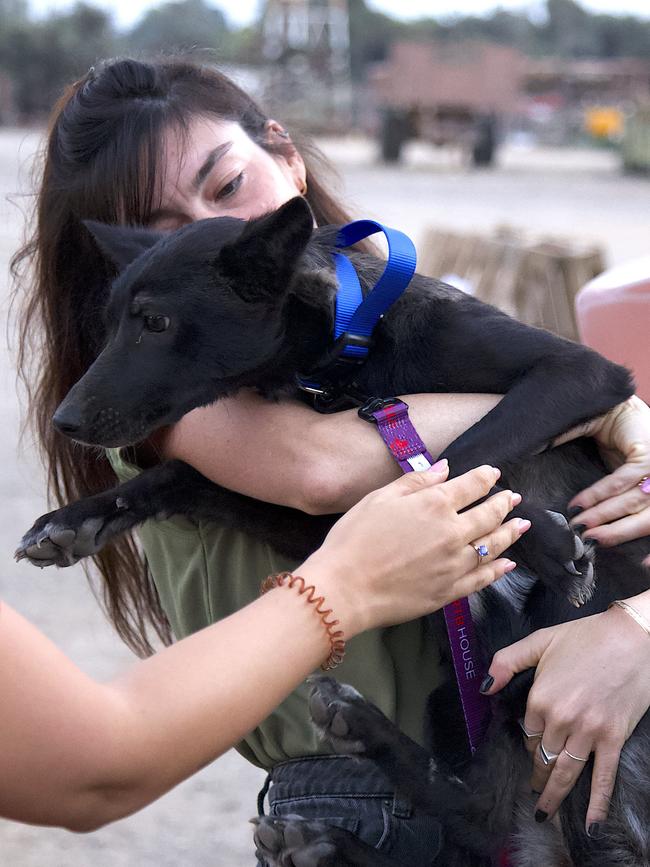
(43, 56)
(12, 11)
(180, 24)
(371, 34)
(566, 30)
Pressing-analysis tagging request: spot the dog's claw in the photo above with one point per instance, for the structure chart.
(582, 591)
(579, 549)
(571, 568)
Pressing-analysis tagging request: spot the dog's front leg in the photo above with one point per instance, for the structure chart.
(545, 401)
(81, 529)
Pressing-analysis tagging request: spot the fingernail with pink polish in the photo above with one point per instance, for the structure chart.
(523, 524)
(516, 498)
(440, 466)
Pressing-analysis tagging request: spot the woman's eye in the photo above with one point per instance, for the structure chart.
(231, 187)
(156, 322)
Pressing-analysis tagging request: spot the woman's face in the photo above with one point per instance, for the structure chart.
(217, 170)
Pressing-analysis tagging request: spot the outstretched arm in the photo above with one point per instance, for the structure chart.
(288, 454)
(77, 753)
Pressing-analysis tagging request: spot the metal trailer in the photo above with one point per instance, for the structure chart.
(447, 93)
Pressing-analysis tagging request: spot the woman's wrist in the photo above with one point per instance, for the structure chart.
(633, 617)
(331, 580)
(641, 604)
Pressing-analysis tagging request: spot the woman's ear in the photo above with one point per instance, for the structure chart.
(275, 133)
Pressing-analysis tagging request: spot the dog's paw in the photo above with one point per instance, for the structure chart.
(580, 588)
(295, 842)
(65, 536)
(342, 716)
(553, 552)
(291, 841)
(57, 544)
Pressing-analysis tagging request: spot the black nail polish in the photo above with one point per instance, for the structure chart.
(487, 683)
(536, 793)
(579, 528)
(540, 816)
(573, 511)
(594, 831)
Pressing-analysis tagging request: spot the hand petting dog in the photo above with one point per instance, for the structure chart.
(616, 508)
(591, 705)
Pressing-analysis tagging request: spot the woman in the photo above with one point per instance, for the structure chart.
(81, 754)
(164, 144)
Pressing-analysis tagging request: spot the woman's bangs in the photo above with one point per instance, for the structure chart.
(138, 163)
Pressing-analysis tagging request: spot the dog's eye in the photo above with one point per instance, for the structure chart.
(156, 322)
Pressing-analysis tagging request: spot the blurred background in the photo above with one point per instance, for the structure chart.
(512, 143)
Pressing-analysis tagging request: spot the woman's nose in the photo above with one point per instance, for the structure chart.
(201, 210)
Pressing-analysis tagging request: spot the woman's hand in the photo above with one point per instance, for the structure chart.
(616, 509)
(406, 550)
(592, 686)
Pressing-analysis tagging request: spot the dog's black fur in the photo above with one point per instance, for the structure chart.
(221, 305)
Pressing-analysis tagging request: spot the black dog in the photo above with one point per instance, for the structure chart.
(221, 305)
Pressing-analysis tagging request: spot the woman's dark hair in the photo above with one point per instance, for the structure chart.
(102, 161)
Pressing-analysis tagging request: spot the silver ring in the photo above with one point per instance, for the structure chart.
(528, 734)
(482, 551)
(576, 758)
(547, 758)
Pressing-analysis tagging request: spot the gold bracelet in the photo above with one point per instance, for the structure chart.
(336, 637)
(633, 613)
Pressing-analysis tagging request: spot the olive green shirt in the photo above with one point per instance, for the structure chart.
(204, 572)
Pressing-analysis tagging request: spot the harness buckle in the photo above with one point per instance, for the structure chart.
(374, 404)
(329, 379)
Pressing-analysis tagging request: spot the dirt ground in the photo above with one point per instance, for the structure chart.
(579, 194)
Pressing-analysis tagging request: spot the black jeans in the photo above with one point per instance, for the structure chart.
(354, 794)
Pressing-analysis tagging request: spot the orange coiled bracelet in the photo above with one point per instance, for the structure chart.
(337, 641)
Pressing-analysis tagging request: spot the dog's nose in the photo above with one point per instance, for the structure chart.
(67, 419)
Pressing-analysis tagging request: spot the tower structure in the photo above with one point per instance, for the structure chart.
(306, 44)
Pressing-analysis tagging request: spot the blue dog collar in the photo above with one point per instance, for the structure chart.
(356, 316)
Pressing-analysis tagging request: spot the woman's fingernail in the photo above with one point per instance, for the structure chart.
(535, 792)
(573, 511)
(497, 471)
(440, 466)
(579, 528)
(523, 524)
(515, 499)
(593, 831)
(487, 683)
(540, 816)
(510, 565)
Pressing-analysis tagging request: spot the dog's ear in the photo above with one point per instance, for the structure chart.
(121, 245)
(261, 261)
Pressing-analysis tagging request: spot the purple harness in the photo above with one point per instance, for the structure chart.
(404, 444)
(332, 385)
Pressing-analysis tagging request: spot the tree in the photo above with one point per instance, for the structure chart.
(182, 25)
(43, 56)
(371, 34)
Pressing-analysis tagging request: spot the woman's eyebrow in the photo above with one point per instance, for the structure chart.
(213, 157)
